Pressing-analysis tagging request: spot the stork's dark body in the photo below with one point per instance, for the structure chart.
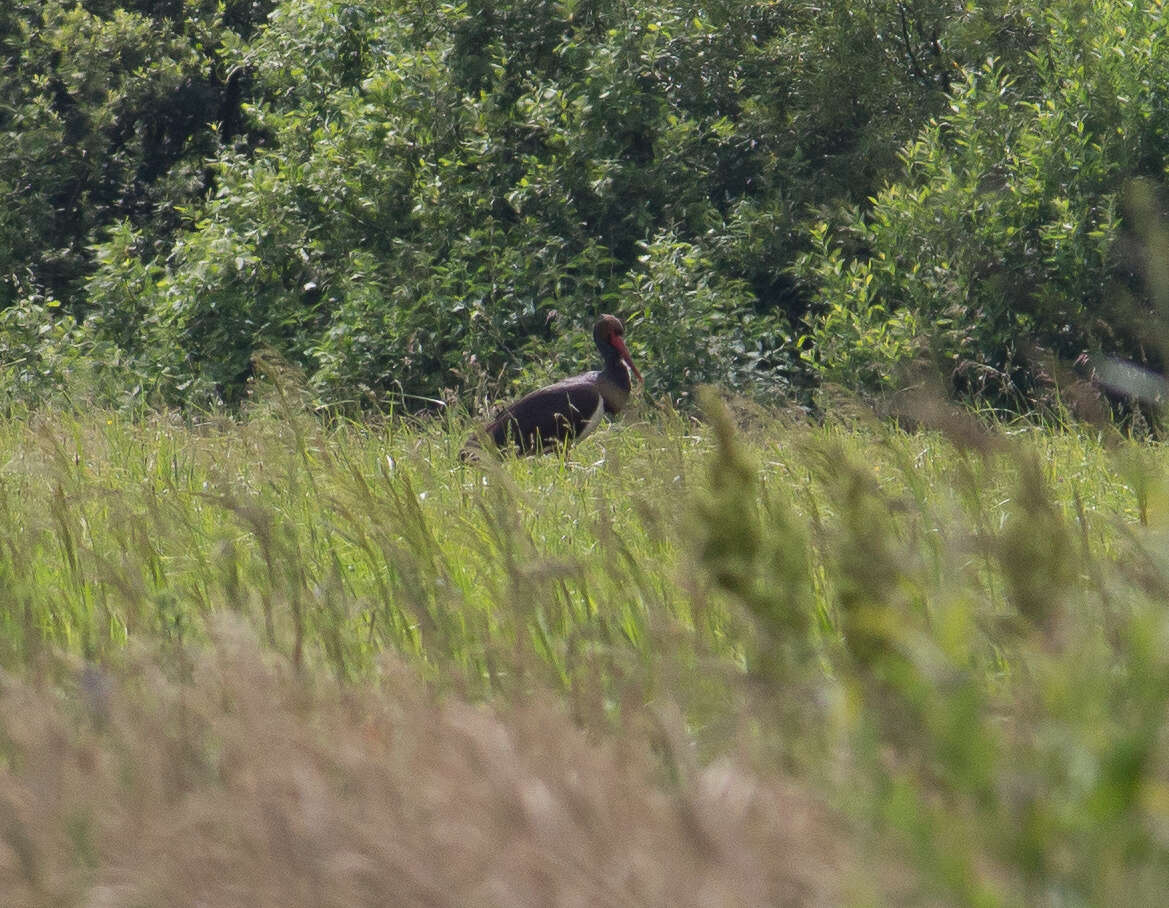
(570, 409)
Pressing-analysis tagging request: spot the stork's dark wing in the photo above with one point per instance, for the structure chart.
(545, 418)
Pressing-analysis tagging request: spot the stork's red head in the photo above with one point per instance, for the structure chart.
(609, 332)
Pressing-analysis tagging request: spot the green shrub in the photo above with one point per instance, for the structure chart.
(696, 326)
(47, 357)
(436, 194)
(995, 250)
(108, 111)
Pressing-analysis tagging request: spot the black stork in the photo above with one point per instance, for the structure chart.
(570, 409)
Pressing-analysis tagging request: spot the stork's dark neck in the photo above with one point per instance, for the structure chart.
(618, 370)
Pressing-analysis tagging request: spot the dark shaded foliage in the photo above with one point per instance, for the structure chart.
(107, 111)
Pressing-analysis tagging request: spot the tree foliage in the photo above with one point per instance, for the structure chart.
(417, 197)
(996, 250)
(107, 111)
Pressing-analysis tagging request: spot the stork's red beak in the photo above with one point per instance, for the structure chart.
(619, 342)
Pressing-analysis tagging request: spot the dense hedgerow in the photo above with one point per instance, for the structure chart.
(425, 199)
(1023, 234)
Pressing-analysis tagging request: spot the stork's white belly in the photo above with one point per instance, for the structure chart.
(593, 419)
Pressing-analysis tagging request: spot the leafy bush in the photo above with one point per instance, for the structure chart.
(48, 357)
(699, 327)
(995, 250)
(438, 191)
(107, 111)
(408, 198)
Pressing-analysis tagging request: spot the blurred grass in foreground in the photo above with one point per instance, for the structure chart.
(945, 658)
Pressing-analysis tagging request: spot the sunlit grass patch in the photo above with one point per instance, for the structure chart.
(957, 645)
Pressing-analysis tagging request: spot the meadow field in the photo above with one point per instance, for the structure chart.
(737, 658)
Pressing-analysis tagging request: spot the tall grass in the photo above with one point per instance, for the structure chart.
(953, 641)
(337, 543)
(243, 786)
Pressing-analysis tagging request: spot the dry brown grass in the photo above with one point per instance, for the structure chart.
(244, 786)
